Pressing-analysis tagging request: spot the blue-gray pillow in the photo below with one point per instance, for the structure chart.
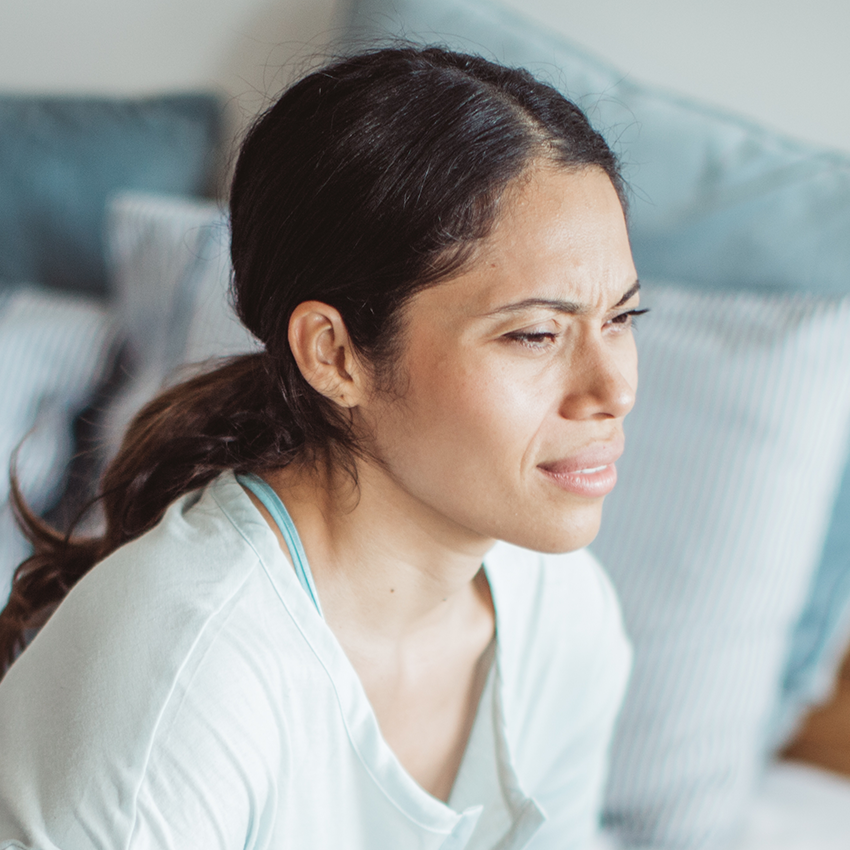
(718, 202)
(170, 262)
(62, 157)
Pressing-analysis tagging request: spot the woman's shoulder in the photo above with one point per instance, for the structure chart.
(153, 603)
(169, 584)
(173, 639)
(174, 621)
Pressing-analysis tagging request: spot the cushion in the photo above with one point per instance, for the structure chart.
(62, 157)
(717, 201)
(719, 205)
(170, 265)
(54, 352)
(712, 537)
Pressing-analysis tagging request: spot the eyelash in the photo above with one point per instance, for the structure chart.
(541, 338)
(532, 340)
(628, 318)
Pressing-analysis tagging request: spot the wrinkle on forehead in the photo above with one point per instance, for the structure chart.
(572, 308)
(560, 237)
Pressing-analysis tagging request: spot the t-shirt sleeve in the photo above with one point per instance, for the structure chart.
(122, 744)
(209, 782)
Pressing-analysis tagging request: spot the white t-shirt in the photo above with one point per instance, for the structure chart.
(187, 694)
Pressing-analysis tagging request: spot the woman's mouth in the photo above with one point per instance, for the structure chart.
(591, 474)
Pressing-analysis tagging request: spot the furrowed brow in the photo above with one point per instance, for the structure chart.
(630, 293)
(571, 308)
(550, 304)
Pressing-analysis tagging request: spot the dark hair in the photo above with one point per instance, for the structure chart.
(366, 181)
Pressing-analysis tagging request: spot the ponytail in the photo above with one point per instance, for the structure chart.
(224, 419)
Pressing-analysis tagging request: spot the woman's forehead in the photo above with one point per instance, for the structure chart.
(560, 236)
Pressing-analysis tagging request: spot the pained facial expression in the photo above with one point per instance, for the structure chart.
(518, 373)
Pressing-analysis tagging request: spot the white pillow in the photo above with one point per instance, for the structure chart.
(170, 265)
(214, 330)
(54, 352)
(733, 457)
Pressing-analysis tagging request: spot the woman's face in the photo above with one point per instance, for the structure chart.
(516, 375)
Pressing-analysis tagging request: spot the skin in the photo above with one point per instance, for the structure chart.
(490, 389)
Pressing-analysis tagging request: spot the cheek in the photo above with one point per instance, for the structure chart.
(476, 410)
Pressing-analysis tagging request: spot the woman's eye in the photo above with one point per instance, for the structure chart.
(532, 339)
(628, 318)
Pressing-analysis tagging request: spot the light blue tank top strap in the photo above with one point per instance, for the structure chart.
(284, 522)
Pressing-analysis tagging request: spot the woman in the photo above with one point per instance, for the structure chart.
(289, 639)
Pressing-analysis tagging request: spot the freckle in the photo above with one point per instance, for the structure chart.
(392, 590)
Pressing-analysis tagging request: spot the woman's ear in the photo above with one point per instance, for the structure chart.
(323, 351)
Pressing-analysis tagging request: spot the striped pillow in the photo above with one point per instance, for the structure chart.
(169, 261)
(54, 352)
(734, 455)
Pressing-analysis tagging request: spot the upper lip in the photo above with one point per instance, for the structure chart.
(596, 455)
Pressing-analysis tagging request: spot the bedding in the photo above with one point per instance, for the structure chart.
(169, 261)
(61, 158)
(712, 537)
(55, 349)
(796, 807)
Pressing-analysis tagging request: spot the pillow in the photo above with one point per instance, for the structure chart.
(718, 202)
(720, 205)
(54, 352)
(712, 536)
(170, 266)
(62, 157)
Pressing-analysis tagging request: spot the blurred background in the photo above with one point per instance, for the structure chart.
(783, 62)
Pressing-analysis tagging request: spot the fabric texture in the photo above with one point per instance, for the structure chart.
(54, 351)
(61, 158)
(712, 537)
(211, 706)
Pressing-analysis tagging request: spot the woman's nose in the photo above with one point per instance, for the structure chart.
(601, 381)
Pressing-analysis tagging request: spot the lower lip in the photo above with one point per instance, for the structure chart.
(591, 485)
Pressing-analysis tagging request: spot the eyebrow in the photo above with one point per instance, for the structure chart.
(570, 307)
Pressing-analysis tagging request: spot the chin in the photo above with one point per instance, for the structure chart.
(562, 534)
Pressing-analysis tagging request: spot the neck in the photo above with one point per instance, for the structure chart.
(383, 562)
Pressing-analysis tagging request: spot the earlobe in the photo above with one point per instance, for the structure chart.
(322, 349)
